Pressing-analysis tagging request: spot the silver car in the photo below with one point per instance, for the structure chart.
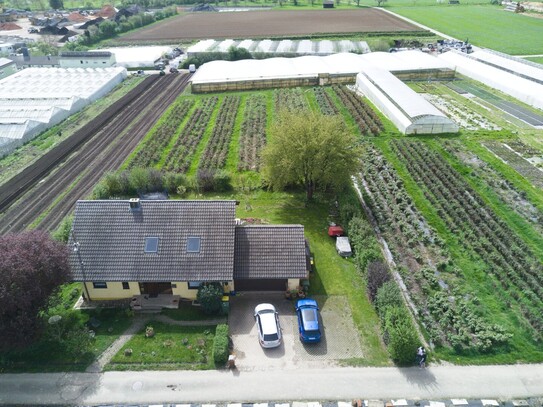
(267, 324)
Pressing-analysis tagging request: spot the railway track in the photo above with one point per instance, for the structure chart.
(55, 196)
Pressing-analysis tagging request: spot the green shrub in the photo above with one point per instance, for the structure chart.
(388, 296)
(210, 297)
(364, 243)
(400, 335)
(377, 274)
(62, 232)
(221, 345)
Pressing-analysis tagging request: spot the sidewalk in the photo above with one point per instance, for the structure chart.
(339, 384)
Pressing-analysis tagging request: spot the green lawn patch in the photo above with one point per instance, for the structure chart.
(538, 60)
(172, 347)
(486, 26)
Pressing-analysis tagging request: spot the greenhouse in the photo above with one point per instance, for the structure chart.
(409, 111)
(35, 99)
(521, 67)
(313, 70)
(503, 79)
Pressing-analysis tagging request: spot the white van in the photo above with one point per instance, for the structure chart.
(192, 68)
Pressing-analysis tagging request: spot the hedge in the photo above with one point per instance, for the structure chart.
(221, 349)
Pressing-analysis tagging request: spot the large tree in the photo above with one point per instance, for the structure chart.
(310, 150)
(32, 266)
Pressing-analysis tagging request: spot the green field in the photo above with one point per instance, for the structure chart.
(484, 26)
(538, 60)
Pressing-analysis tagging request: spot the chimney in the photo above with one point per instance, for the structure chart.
(135, 204)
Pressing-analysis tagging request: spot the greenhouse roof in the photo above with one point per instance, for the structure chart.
(311, 66)
(527, 69)
(406, 99)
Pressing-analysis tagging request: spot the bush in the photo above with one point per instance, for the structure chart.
(210, 297)
(377, 274)
(388, 296)
(364, 243)
(400, 335)
(221, 345)
(212, 180)
(62, 232)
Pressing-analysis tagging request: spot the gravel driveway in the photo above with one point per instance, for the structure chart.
(340, 339)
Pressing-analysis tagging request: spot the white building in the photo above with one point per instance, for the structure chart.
(7, 67)
(90, 59)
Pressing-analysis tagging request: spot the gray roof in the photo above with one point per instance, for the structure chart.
(270, 251)
(85, 54)
(110, 240)
(5, 62)
(40, 60)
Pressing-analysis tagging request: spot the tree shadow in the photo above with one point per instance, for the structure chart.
(421, 378)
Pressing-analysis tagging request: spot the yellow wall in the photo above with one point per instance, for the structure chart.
(293, 283)
(182, 289)
(114, 291)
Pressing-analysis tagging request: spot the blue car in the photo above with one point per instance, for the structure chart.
(308, 320)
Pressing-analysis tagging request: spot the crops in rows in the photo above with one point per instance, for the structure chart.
(253, 133)
(180, 156)
(366, 119)
(216, 150)
(151, 151)
(514, 272)
(290, 99)
(450, 314)
(519, 164)
(324, 101)
(515, 199)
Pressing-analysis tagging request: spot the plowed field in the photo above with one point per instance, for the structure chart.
(257, 24)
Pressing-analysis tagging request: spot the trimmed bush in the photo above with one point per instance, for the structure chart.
(400, 335)
(220, 345)
(210, 297)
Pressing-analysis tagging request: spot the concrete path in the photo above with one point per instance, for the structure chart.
(341, 384)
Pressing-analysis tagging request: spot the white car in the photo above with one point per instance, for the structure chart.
(267, 324)
(343, 246)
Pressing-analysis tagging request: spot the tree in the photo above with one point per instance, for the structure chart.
(210, 297)
(379, 2)
(32, 266)
(56, 4)
(310, 150)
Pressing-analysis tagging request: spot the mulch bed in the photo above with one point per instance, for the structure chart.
(275, 23)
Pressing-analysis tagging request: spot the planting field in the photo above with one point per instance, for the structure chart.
(257, 24)
(484, 26)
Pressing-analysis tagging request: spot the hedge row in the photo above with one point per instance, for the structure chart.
(220, 345)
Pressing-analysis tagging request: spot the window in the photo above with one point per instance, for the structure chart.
(151, 245)
(126, 285)
(193, 285)
(193, 244)
(99, 284)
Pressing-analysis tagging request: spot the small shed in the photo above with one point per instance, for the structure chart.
(327, 4)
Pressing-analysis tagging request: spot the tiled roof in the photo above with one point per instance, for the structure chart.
(85, 54)
(110, 241)
(270, 251)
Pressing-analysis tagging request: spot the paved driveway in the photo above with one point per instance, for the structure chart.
(340, 339)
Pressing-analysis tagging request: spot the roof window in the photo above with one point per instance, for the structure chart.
(193, 244)
(151, 245)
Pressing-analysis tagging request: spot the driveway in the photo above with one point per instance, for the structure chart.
(340, 338)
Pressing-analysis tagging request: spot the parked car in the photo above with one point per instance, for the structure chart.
(343, 246)
(308, 320)
(267, 324)
(192, 68)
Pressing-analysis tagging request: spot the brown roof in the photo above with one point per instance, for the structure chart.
(107, 11)
(77, 17)
(270, 251)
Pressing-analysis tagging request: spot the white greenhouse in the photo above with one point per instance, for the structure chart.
(409, 111)
(35, 99)
(526, 88)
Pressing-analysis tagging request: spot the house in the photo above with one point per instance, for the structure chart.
(41, 61)
(124, 248)
(86, 59)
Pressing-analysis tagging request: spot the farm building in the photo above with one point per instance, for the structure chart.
(127, 248)
(510, 76)
(313, 70)
(35, 99)
(284, 48)
(7, 67)
(90, 59)
(137, 57)
(409, 111)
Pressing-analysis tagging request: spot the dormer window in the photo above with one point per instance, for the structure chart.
(193, 244)
(151, 245)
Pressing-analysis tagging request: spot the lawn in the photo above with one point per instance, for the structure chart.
(485, 26)
(172, 347)
(538, 60)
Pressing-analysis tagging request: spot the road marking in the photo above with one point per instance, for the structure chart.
(489, 402)
(459, 402)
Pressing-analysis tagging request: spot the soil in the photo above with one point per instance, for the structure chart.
(9, 27)
(276, 23)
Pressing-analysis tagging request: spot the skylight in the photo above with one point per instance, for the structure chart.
(151, 245)
(193, 245)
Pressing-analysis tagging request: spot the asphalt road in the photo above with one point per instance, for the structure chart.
(342, 384)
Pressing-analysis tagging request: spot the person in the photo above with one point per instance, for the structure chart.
(421, 356)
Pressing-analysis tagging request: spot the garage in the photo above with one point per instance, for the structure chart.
(246, 284)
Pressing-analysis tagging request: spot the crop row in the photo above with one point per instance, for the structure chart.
(511, 196)
(367, 120)
(521, 165)
(420, 252)
(155, 145)
(180, 156)
(253, 133)
(216, 150)
(289, 99)
(511, 263)
(325, 102)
